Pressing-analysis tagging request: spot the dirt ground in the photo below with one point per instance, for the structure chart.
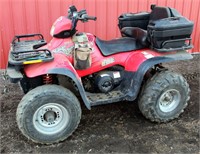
(118, 127)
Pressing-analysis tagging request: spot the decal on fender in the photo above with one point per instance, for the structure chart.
(67, 49)
(147, 55)
(107, 61)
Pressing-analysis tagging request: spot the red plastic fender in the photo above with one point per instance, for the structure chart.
(60, 61)
(135, 59)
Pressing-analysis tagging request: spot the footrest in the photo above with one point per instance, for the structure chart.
(104, 98)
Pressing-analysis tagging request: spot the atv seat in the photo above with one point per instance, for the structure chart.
(134, 32)
(124, 44)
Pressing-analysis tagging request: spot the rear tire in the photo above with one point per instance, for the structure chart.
(48, 114)
(164, 97)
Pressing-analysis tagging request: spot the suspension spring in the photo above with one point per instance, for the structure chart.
(48, 79)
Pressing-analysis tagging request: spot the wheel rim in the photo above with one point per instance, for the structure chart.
(51, 118)
(169, 100)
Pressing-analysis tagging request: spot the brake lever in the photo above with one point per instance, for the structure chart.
(81, 16)
(82, 12)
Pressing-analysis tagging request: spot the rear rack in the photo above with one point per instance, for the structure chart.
(27, 52)
(186, 46)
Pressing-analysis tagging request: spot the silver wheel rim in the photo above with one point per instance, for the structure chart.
(51, 118)
(169, 100)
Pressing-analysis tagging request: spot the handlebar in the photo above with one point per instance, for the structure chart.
(81, 15)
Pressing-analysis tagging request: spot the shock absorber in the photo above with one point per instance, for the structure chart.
(48, 79)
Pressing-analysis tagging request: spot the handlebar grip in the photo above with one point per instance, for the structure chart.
(90, 17)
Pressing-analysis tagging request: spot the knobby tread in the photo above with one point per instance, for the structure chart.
(27, 102)
(153, 88)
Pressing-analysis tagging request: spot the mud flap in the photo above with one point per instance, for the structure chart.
(13, 74)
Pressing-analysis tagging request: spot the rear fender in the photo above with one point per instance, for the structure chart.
(149, 63)
(136, 59)
(62, 66)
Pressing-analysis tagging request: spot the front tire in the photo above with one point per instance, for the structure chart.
(164, 97)
(48, 114)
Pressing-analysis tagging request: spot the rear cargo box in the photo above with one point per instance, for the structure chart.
(140, 20)
(170, 34)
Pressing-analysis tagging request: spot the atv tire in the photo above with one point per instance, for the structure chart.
(48, 114)
(164, 97)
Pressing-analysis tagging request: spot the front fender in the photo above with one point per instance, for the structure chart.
(60, 61)
(62, 66)
(149, 63)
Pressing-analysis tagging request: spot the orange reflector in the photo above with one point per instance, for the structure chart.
(32, 62)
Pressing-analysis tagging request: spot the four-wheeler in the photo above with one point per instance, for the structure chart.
(80, 65)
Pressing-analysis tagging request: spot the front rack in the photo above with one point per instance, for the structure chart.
(18, 37)
(27, 52)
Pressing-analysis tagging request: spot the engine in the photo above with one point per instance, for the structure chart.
(103, 82)
(107, 80)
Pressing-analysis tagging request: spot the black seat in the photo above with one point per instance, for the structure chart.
(119, 45)
(141, 34)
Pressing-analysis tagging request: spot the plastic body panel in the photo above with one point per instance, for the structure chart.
(60, 25)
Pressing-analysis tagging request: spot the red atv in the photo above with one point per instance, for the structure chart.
(80, 64)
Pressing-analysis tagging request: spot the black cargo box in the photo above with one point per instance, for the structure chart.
(170, 34)
(140, 20)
